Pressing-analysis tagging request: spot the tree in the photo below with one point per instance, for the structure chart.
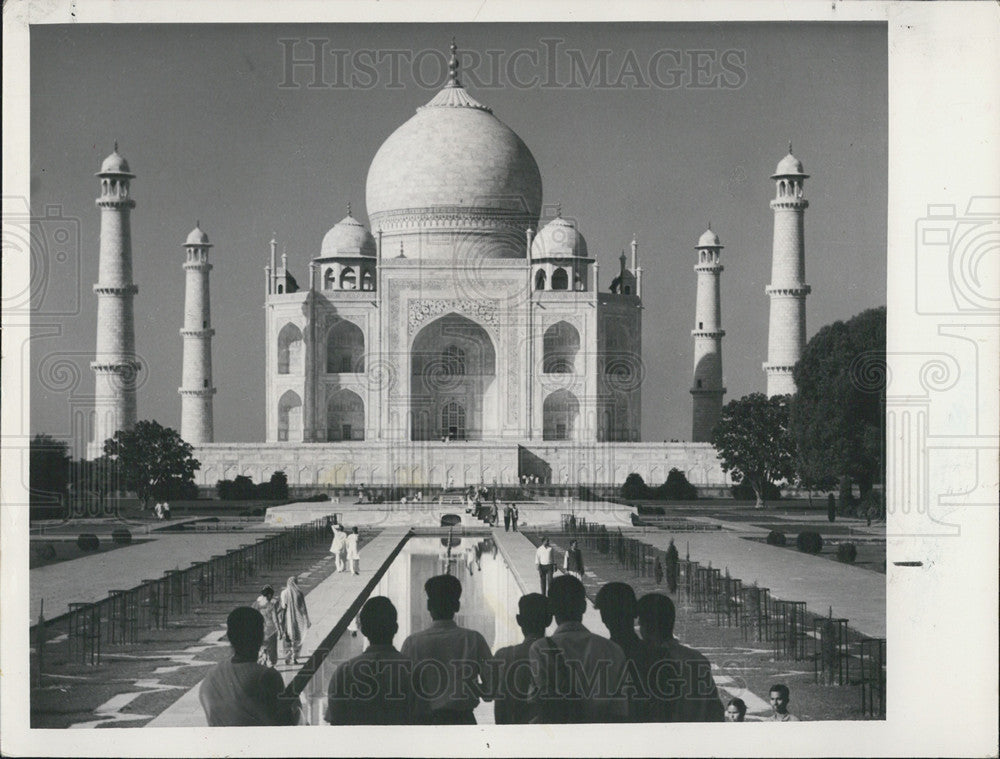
(838, 412)
(676, 488)
(634, 488)
(48, 476)
(753, 442)
(149, 458)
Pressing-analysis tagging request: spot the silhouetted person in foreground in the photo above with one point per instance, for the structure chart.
(373, 688)
(512, 703)
(240, 692)
(577, 674)
(617, 604)
(450, 663)
(680, 678)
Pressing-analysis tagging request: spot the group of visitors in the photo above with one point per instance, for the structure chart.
(285, 617)
(162, 510)
(545, 562)
(345, 548)
(441, 673)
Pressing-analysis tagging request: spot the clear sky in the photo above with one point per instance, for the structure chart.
(203, 117)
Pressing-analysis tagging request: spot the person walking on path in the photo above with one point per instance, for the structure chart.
(295, 619)
(779, 696)
(672, 559)
(543, 560)
(373, 688)
(351, 548)
(494, 516)
(339, 546)
(458, 657)
(506, 518)
(693, 697)
(514, 514)
(576, 673)
(240, 692)
(512, 705)
(267, 605)
(573, 561)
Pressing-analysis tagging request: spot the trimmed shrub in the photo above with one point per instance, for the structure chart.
(809, 541)
(847, 553)
(121, 536)
(635, 488)
(676, 488)
(775, 538)
(650, 511)
(316, 498)
(88, 541)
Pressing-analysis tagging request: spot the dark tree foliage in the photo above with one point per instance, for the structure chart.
(743, 491)
(753, 442)
(838, 413)
(676, 488)
(150, 457)
(634, 488)
(48, 476)
(244, 489)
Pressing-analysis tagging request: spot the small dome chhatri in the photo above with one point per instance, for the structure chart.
(709, 239)
(114, 164)
(558, 238)
(198, 237)
(348, 237)
(789, 166)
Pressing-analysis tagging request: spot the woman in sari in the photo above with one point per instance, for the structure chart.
(295, 619)
(267, 605)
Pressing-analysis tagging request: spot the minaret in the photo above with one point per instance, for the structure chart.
(196, 374)
(115, 365)
(788, 290)
(707, 390)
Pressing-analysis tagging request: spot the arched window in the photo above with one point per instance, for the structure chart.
(560, 345)
(453, 359)
(366, 281)
(290, 417)
(560, 412)
(289, 350)
(329, 279)
(281, 289)
(540, 279)
(578, 283)
(345, 417)
(348, 280)
(345, 348)
(560, 279)
(453, 421)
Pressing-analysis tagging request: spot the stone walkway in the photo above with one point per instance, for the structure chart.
(327, 604)
(855, 594)
(89, 578)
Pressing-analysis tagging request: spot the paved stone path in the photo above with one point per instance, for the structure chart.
(327, 604)
(855, 594)
(89, 578)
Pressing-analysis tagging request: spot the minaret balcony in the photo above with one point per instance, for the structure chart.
(708, 333)
(796, 291)
(116, 290)
(112, 202)
(796, 204)
(200, 392)
(208, 332)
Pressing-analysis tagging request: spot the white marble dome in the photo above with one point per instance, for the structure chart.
(115, 164)
(558, 238)
(709, 239)
(348, 237)
(197, 237)
(454, 153)
(789, 165)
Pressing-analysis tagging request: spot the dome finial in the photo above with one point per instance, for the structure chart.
(197, 224)
(453, 66)
(559, 210)
(789, 147)
(349, 208)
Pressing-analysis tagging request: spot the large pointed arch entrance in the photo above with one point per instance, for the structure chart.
(453, 382)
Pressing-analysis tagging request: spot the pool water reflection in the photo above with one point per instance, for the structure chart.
(489, 604)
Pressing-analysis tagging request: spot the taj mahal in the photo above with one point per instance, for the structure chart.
(464, 335)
